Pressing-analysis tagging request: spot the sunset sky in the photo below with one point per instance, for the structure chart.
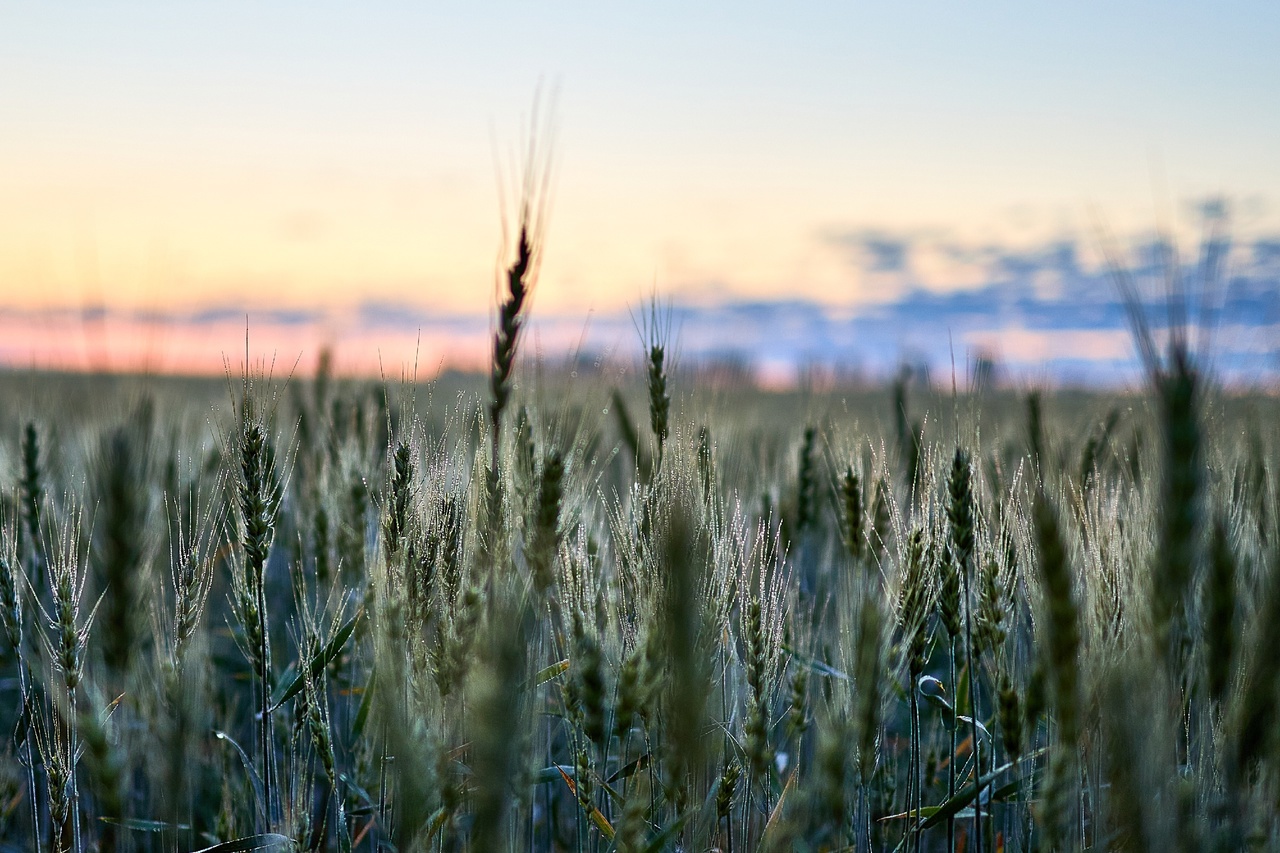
(168, 160)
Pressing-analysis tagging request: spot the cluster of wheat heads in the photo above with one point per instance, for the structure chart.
(341, 616)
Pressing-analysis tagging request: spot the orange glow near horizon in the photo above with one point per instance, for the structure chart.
(131, 347)
(288, 247)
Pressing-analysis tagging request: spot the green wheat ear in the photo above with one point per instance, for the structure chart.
(757, 724)
(881, 520)
(546, 535)
(1063, 641)
(31, 488)
(396, 525)
(806, 485)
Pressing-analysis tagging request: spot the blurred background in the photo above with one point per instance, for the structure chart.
(815, 191)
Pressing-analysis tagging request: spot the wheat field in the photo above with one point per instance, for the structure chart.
(629, 611)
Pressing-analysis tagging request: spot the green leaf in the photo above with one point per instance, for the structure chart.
(815, 665)
(366, 701)
(141, 825)
(353, 787)
(962, 688)
(24, 725)
(248, 844)
(556, 669)
(552, 773)
(1005, 791)
(254, 779)
(601, 822)
(437, 820)
(974, 724)
(952, 807)
(612, 791)
(330, 651)
(659, 842)
(288, 676)
(630, 769)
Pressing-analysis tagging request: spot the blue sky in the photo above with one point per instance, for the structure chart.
(323, 156)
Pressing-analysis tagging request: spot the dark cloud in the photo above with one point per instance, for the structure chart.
(1266, 253)
(1212, 209)
(215, 315)
(880, 251)
(1153, 256)
(963, 253)
(406, 316)
(1056, 257)
(873, 251)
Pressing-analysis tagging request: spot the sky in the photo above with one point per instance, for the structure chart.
(168, 168)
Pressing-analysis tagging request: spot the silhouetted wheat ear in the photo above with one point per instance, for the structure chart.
(659, 399)
(960, 510)
(851, 509)
(495, 698)
(505, 342)
(806, 484)
(684, 558)
(32, 496)
(1063, 640)
(949, 593)
(1220, 612)
(1035, 434)
(960, 515)
(124, 506)
(510, 322)
(1180, 505)
(1061, 623)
